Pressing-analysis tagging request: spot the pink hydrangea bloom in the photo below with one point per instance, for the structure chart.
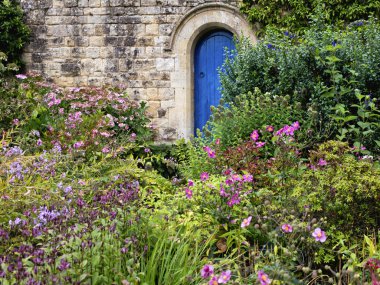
(207, 271)
(263, 278)
(246, 222)
(286, 228)
(319, 235)
(224, 277)
(254, 135)
(204, 176)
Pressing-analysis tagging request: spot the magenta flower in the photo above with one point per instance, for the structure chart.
(190, 183)
(254, 135)
(21, 76)
(296, 125)
(270, 128)
(207, 271)
(224, 277)
(319, 235)
(286, 228)
(189, 193)
(213, 281)
(217, 142)
(211, 153)
(247, 178)
(322, 162)
(204, 176)
(260, 144)
(263, 278)
(245, 223)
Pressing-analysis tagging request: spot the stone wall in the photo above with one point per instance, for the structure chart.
(129, 42)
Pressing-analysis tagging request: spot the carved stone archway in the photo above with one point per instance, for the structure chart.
(189, 29)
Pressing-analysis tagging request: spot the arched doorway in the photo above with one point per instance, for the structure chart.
(209, 55)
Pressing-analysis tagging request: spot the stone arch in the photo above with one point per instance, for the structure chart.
(190, 28)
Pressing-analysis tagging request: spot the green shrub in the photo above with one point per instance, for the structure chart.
(14, 34)
(295, 15)
(321, 71)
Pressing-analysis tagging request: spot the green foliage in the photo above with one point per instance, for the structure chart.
(320, 71)
(346, 190)
(295, 15)
(14, 34)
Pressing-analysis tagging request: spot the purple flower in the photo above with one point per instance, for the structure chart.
(319, 235)
(190, 183)
(245, 223)
(286, 228)
(224, 277)
(322, 162)
(207, 271)
(147, 150)
(270, 128)
(211, 153)
(204, 176)
(63, 265)
(189, 193)
(247, 178)
(254, 135)
(21, 76)
(39, 142)
(213, 281)
(263, 278)
(78, 144)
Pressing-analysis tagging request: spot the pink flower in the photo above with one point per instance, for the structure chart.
(211, 154)
(21, 76)
(206, 148)
(287, 228)
(207, 271)
(204, 176)
(105, 149)
(78, 144)
(270, 128)
(245, 223)
(319, 235)
(296, 125)
(190, 183)
(217, 142)
(213, 281)
(255, 135)
(247, 178)
(260, 144)
(322, 162)
(263, 278)
(224, 277)
(189, 193)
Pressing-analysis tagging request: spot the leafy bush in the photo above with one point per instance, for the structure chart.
(14, 34)
(320, 70)
(90, 120)
(295, 15)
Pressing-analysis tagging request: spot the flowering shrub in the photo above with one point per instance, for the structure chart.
(88, 120)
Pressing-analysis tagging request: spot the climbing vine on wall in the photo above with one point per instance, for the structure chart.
(294, 15)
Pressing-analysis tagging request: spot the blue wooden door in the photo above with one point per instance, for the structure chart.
(208, 57)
